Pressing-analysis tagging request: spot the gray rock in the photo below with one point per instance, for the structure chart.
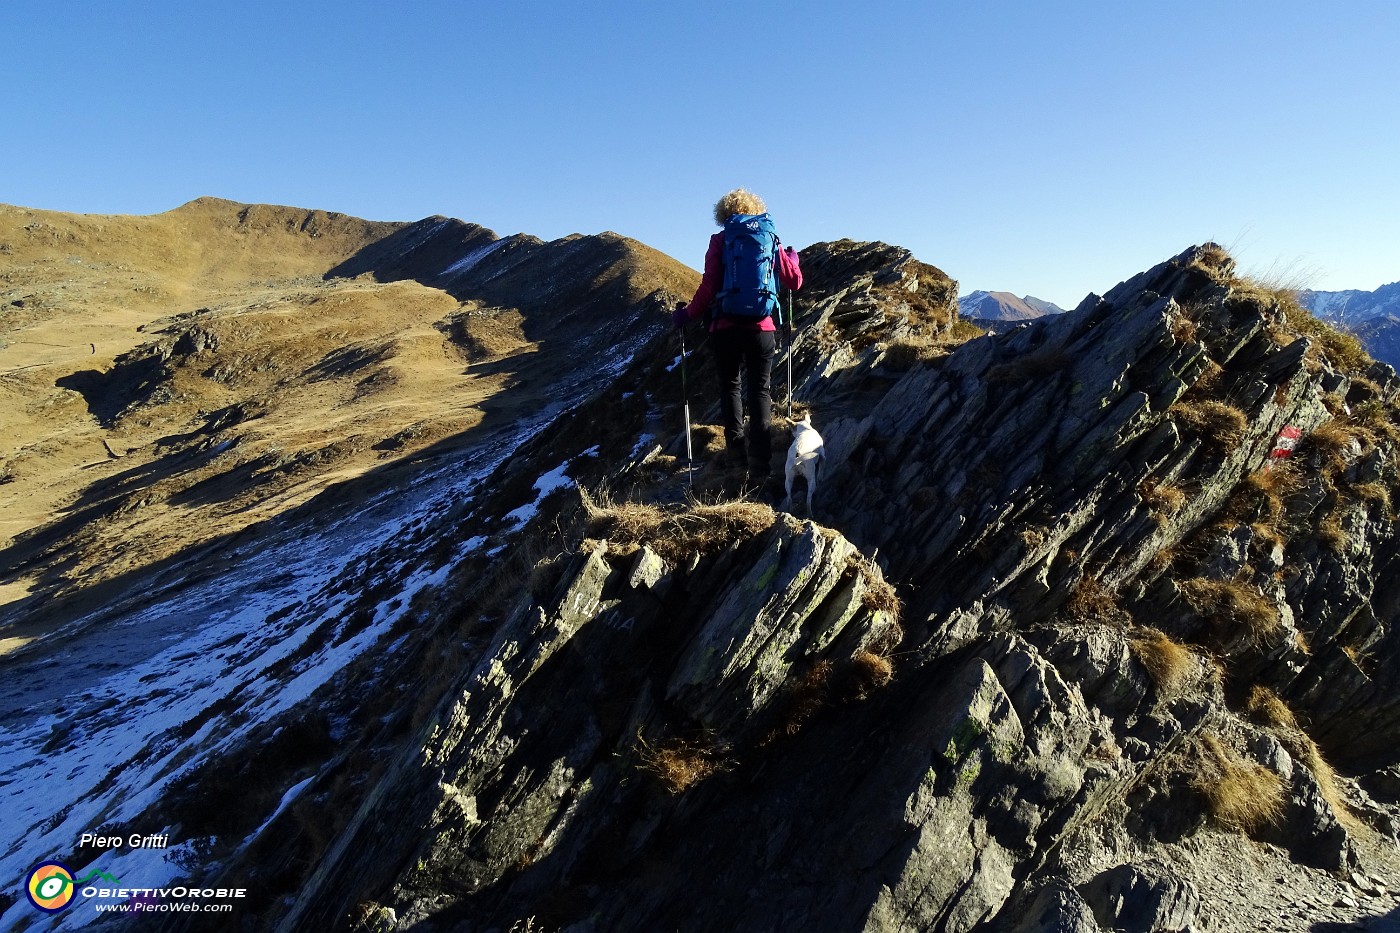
(1142, 898)
(1057, 908)
(1384, 783)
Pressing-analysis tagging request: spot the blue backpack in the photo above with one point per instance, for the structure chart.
(750, 290)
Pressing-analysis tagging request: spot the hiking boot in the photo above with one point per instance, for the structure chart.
(767, 488)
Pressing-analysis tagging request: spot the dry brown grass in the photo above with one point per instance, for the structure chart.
(1375, 495)
(680, 764)
(1209, 382)
(962, 330)
(1280, 479)
(1163, 500)
(870, 672)
(1267, 537)
(1240, 794)
(1276, 297)
(1259, 500)
(1264, 706)
(1232, 605)
(1330, 442)
(907, 352)
(808, 694)
(1168, 664)
(1213, 260)
(1372, 418)
(1219, 425)
(1331, 533)
(1161, 561)
(1363, 660)
(1342, 350)
(1267, 708)
(1182, 328)
(1092, 602)
(879, 594)
(1335, 404)
(676, 534)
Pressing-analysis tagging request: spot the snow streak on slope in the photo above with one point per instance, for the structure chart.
(135, 699)
(472, 258)
(229, 654)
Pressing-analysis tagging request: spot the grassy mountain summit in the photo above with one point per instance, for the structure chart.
(222, 363)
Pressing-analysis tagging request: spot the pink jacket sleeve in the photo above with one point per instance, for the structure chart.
(789, 271)
(710, 281)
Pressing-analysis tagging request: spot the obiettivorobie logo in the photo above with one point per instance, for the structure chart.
(51, 885)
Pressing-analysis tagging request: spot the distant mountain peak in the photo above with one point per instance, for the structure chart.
(1004, 306)
(1374, 317)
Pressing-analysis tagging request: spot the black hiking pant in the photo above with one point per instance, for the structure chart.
(739, 348)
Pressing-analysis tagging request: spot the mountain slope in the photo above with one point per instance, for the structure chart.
(269, 353)
(260, 565)
(1084, 539)
(1065, 646)
(1353, 305)
(1374, 317)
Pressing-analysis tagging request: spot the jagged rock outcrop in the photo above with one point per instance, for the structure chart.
(1127, 628)
(632, 660)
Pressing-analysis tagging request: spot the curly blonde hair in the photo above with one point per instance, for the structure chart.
(738, 201)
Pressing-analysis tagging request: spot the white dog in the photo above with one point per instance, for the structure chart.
(805, 457)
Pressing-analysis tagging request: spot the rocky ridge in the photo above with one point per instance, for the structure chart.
(1130, 641)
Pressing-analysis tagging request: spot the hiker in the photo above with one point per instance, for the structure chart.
(738, 296)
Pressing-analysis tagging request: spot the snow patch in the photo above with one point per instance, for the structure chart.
(292, 793)
(472, 258)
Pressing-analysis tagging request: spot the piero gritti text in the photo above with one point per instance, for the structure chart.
(134, 841)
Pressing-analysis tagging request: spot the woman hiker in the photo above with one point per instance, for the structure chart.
(745, 266)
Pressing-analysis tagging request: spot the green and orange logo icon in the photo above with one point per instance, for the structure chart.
(51, 885)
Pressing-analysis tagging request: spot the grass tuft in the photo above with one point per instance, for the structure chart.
(1342, 350)
(677, 534)
(1331, 533)
(1241, 795)
(1232, 603)
(1331, 442)
(1092, 602)
(905, 353)
(879, 594)
(1265, 706)
(1219, 425)
(808, 694)
(1375, 495)
(870, 672)
(1183, 329)
(1163, 500)
(679, 764)
(1167, 663)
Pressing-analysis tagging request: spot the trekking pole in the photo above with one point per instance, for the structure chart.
(685, 398)
(787, 325)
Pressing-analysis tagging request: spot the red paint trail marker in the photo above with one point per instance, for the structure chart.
(1285, 442)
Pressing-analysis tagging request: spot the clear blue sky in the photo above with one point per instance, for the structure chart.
(1043, 148)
